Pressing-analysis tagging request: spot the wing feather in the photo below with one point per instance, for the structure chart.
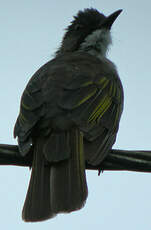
(96, 108)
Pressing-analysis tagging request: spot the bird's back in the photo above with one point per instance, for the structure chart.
(76, 89)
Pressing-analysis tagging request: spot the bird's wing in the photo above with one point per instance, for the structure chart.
(31, 111)
(95, 106)
(92, 102)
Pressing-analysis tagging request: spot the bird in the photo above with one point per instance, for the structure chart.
(69, 116)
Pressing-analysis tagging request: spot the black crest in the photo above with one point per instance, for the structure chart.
(86, 20)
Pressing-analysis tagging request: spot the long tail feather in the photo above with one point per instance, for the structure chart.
(68, 180)
(37, 204)
(56, 187)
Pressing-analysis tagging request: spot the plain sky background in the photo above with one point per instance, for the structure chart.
(30, 32)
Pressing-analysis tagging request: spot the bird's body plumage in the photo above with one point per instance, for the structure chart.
(69, 113)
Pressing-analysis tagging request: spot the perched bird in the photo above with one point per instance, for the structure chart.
(69, 114)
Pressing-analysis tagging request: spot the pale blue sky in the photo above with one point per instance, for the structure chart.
(30, 32)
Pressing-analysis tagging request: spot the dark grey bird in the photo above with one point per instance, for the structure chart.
(69, 114)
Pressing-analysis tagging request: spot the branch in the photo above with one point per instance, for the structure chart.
(117, 160)
(125, 160)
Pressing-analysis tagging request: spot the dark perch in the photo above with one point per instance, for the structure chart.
(117, 160)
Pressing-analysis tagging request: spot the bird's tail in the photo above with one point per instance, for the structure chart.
(56, 187)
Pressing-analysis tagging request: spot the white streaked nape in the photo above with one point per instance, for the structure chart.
(97, 43)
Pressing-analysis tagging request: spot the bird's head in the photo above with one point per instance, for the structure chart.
(89, 31)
